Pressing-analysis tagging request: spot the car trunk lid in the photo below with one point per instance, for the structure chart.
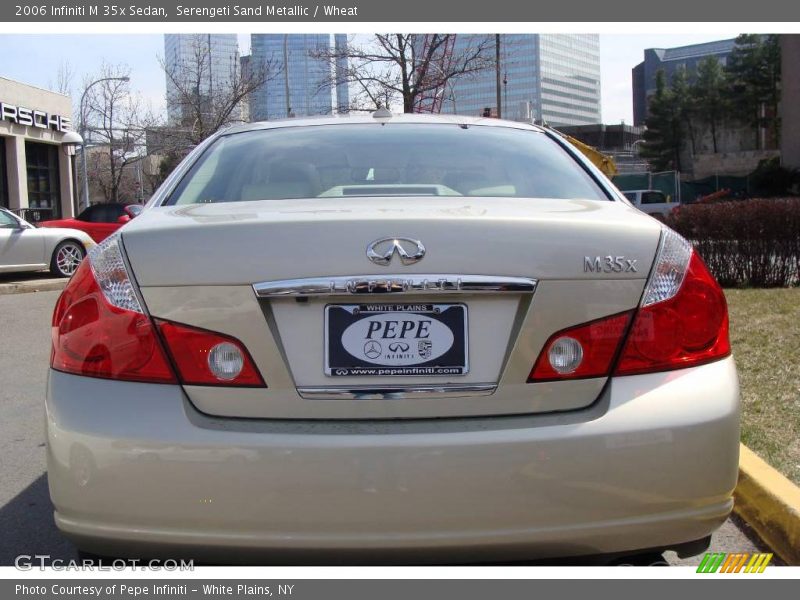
(560, 263)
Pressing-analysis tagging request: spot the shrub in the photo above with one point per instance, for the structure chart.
(745, 243)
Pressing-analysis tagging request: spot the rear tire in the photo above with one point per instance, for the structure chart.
(66, 258)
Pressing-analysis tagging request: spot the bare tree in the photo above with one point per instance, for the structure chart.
(63, 81)
(201, 105)
(400, 67)
(115, 122)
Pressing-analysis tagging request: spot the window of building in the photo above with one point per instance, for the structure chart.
(44, 187)
(3, 174)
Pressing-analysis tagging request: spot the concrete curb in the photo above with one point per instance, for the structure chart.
(770, 503)
(41, 285)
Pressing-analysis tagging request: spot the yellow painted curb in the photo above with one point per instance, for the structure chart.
(770, 503)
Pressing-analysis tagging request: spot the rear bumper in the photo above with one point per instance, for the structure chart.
(134, 469)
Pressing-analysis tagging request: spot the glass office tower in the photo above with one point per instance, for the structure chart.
(554, 77)
(210, 59)
(297, 71)
(342, 88)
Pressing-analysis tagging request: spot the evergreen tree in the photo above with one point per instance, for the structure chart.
(681, 89)
(708, 95)
(664, 136)
(753, 71)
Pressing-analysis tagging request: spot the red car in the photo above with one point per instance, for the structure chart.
(100, 220)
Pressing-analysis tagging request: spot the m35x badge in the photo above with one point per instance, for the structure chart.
(609, 264)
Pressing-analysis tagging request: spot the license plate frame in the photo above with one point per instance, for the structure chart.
(414, 355)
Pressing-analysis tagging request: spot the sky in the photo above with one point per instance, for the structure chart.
(36, 59)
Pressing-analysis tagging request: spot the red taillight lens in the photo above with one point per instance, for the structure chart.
(100, 329)
(208, 358)
(594, 346)
(682, 322)
(94, 338)
(688, 329)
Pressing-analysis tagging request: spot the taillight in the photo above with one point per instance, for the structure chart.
(683, 318)
(682, 321)
(587, 350)
(208, 358)
(99, 328)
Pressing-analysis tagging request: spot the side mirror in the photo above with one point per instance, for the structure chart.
(134, 210)
(122, 219)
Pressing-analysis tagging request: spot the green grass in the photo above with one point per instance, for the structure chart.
(765, 335)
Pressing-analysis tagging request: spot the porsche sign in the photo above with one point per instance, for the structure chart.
(30, 117)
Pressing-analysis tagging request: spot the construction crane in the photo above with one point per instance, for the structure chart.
(602, 161)
(430, 101)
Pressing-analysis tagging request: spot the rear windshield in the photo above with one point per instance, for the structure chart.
(384, 160)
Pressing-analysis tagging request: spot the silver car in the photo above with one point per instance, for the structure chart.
(396, 338)
(24, 247)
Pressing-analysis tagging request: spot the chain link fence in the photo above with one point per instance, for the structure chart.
(685, 192)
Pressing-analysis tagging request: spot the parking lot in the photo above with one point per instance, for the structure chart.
(25, 509)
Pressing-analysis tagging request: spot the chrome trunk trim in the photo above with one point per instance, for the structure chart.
(396, 392)
(395, 284)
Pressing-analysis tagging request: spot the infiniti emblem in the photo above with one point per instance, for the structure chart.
(381, 251)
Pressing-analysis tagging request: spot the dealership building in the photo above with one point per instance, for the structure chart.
(36, 151)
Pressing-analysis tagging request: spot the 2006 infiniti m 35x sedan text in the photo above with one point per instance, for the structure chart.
(402, 338)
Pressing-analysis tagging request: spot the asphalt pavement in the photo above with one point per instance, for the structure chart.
(37, 281)
(26, 514)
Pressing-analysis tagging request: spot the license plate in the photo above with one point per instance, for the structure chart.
(396, 339)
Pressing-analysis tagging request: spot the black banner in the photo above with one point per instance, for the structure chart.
(733, 588)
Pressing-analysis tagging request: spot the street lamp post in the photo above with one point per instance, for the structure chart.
(83, 133)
